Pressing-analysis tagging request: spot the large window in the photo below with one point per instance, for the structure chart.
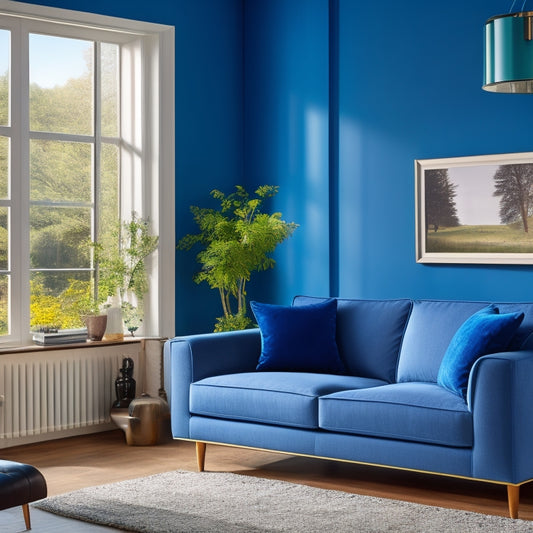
(80, 125)
(74, 142)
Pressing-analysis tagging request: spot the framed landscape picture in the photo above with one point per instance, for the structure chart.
(475, 209)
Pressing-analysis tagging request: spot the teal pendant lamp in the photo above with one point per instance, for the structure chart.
(509, 53)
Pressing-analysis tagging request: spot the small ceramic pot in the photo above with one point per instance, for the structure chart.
(96, 325)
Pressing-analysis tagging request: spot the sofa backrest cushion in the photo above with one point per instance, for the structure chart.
(369, 334)
(433, 324)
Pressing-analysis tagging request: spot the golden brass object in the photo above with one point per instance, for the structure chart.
(146, 422)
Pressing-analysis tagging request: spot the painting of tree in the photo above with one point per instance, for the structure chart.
(475, 209)
(514, 184)
(440, 203)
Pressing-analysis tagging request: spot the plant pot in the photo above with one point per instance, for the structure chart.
(96, 325)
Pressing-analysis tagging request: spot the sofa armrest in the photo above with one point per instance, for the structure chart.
(194, 357)
(501, 399)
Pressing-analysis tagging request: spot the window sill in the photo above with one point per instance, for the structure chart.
(86, 344)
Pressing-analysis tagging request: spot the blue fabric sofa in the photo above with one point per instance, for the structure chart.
(387, 407)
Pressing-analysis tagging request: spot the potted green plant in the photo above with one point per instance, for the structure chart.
(90, 307)
(237, 239)
(122, 268)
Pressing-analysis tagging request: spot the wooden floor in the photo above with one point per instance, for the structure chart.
(78, 462)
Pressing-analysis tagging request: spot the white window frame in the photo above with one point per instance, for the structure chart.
(147, 149)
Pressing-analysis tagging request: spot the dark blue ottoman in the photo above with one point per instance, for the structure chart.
(20, 484)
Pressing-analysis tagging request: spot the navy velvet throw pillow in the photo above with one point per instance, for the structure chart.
(299, 338)
(484, 332)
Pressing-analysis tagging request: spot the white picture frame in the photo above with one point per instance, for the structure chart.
(476, 209)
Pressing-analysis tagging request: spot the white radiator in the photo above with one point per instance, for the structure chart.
(56, 393)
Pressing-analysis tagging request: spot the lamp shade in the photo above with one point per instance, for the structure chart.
(509, 53)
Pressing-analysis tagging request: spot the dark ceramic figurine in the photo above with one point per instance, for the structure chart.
(125, 384)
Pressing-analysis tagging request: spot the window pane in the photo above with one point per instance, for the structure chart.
(60, 171)
(4, 167)
(56, 299)
(108, 200)
(61, 84)
(4, 238)
(4, 304)
(109, 74)
(59, 237)
(4, 77)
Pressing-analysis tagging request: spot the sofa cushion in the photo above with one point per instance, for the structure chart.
(298, 339)
(282, 398)
(421, 412)
(484, 332)
(430, 329)
(523, 338)
(369, 334)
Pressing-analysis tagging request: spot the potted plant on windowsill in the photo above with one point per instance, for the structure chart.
(122, 268)
(96, 326)
(90, 308)
(120, 262)
(237, 239)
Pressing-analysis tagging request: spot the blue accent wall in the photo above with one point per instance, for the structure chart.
(286, 136)
(404, 84)
(333, 101)
(410, 88)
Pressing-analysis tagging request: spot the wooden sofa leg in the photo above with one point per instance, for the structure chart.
(513, 498)
(26, 513)
(200, 455)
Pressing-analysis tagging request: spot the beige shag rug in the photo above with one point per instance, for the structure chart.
(219, 502)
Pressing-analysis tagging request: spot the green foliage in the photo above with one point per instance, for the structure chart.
(4, 326)
(234, 322)
(237, 239)
(122, 267)
(4, 100)
(132, 317)
(491, 239)
(440, 194)
(65, 108)
(514, 184)
(64, 311)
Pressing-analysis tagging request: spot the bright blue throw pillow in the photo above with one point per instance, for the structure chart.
(299, 338)
(484, 332)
